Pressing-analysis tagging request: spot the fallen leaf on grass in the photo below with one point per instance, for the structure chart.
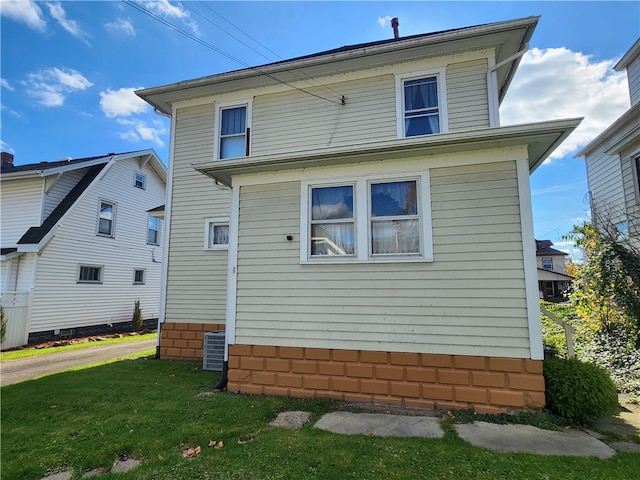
(372, 434)
(242, 440)
(192, 452)
(217, 444)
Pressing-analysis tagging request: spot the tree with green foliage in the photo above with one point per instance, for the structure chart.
(608, 290)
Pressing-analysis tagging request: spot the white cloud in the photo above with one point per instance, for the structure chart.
(5, 84)
(71, 26)
(167, 10)
(558, 83)
(143, 131)
(50, 86)
(383, 20)
(121, 25)
(121, 103)
(24, 11)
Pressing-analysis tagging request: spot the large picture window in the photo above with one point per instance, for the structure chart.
(367, 219)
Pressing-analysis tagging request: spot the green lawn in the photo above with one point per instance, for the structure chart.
(150, 410)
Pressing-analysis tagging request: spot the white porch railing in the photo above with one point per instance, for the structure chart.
(16, 310)
(568, 330)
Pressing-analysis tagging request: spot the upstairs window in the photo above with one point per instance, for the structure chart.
(153, 231)
(637, 161)
(547, 263)
(106, 218)
(421, 115)
(139, 180)
(233, 132)
(420, 104)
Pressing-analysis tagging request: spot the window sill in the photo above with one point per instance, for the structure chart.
(351, 261)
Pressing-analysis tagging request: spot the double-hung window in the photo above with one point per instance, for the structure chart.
(233, 130)
(547, 263)
(106, 218)
(420, 105)
(332, 221)
(367, 219)
(139, 180)
(153, 231)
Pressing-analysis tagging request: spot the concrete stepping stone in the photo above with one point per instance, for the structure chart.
(381, 425)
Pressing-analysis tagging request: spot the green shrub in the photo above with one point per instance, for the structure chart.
(578, 392)
(136, 320)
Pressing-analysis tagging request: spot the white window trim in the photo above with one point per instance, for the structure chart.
(361, 212)
(439, 73)
(208, 222)
(113, 220)
(149, 217)
(144, 276)
(222, 106)
(94, 282)
(144, 180)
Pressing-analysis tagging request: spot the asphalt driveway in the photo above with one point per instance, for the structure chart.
(21, 369)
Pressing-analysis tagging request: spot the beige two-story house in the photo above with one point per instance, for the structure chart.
(359, 223)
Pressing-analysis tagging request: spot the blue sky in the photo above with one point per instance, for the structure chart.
(68, 70)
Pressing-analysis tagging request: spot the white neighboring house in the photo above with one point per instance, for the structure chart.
(613, 161)
(80, 244)
(553, 281)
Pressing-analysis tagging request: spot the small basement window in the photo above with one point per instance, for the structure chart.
(90, 274)
(138, 277)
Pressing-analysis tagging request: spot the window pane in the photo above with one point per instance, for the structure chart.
(421, 124)
(420, 93)
(104, 226)
(138, 276)
(89, 274)
(330, 203)
(395, 236)
(393, 199)
(152, 230)
(233, 147)
(220, 234)
(233, 120)
(332, 239)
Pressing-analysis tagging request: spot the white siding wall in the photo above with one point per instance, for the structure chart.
(60, 189)
(470, 300)
(20, 208)
(59, 301)
(197, 279)
(633, 75)
(604, 174)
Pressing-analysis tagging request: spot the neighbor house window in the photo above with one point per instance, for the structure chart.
(420, 104)
(139, 180)
(232, 131)
(138, 277)
(367, 220)
(90, 274)
(216, 235)
(106, 218)
(637, 162)
(547, 263)
(153, 231)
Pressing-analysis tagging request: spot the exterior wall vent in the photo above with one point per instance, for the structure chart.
(213, 351)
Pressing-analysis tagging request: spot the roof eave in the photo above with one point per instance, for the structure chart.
(540, 138)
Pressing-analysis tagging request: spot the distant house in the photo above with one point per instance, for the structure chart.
(553, 281)
(79, 243)
(613, 162)
(359, 223)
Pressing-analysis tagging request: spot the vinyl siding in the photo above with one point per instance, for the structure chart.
(20, 208)
(604, 174)
(467, 95)
(470, 300)
(59, 301)
(60, 189)
(197, 279)
(633, 75)
(293, 120)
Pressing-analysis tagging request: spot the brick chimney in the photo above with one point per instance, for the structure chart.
(6, 159)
